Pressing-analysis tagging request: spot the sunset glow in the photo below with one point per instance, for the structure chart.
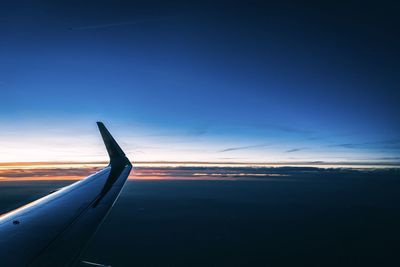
(48, 171)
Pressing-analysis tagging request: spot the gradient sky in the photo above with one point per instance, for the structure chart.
(183, 81)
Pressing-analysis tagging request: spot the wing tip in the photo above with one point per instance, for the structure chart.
(114, 150)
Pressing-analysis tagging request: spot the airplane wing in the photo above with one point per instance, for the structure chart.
(54, 230)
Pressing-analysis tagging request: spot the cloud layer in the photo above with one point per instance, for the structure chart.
(189, 172)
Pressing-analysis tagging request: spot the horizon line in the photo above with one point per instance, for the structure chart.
(208, 163)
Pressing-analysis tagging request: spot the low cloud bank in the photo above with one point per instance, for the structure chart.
(198, 173)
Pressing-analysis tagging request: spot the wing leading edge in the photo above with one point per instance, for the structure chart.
(54, 230)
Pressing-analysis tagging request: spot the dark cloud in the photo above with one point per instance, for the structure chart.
(295, 149)
(241, 148)
(194, 173)
(117, 24)
(393, 144)
(389, 158)
(47, 172)
(198, 131)
(230, 158)
(347, 145)
(101, 26)
(283, 128)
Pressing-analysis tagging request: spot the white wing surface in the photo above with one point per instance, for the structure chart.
(54, 230)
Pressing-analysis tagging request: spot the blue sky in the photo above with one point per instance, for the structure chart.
(200, 82)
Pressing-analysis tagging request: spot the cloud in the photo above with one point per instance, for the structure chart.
(198, 131)
(102, 26)
(116, 24)
(389, 158)
(241, 148)
(393, 144)
(348, 145)
(295, 149)
(283, 128)
(230, 158)
(193, 173)
(47, 172)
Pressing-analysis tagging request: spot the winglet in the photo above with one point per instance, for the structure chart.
(114, 150)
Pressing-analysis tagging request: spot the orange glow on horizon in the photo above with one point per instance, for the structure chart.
(74, 171)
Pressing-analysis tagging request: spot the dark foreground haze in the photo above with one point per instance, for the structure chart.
(302, 217)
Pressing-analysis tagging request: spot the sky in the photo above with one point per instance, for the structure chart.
(207, 81)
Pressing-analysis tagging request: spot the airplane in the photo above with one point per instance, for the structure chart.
(54, 230)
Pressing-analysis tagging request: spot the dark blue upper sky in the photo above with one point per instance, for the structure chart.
(241, 81)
